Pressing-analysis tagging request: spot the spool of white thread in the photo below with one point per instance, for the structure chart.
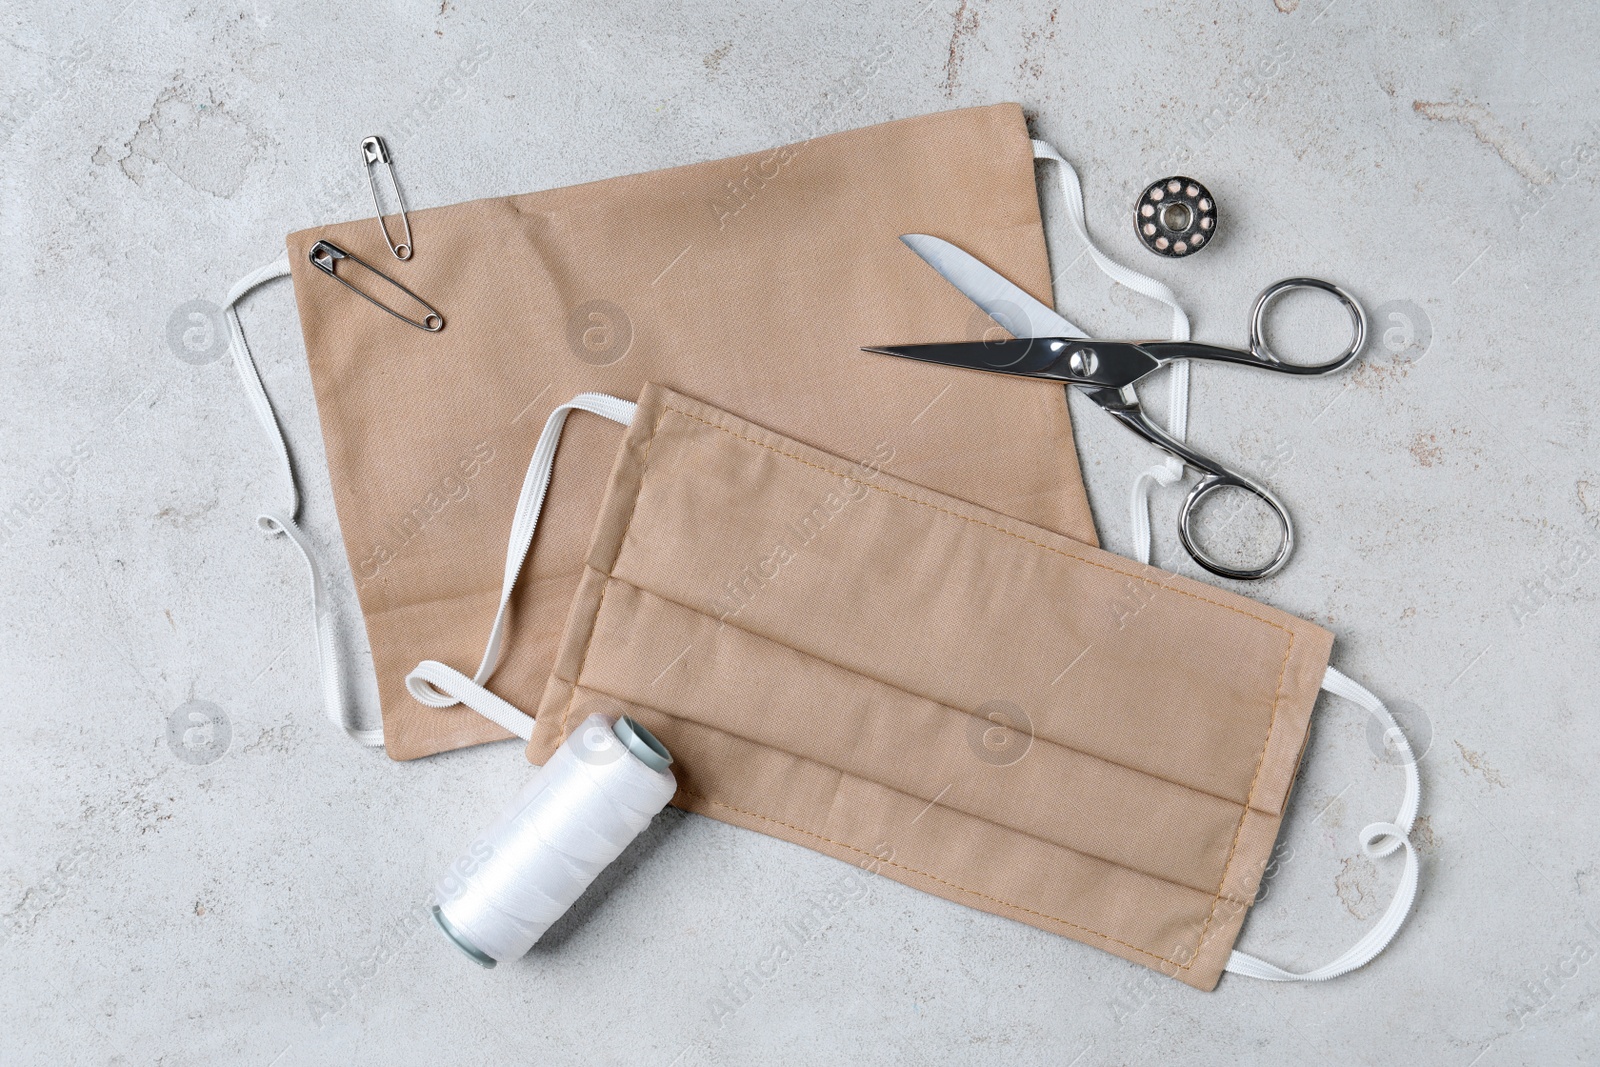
(596, 794)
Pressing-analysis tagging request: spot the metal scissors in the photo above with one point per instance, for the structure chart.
(1048, 346)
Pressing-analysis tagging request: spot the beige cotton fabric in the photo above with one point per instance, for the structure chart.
(751, 282)
(834, 655)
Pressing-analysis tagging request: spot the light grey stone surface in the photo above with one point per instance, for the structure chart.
(1441, 160)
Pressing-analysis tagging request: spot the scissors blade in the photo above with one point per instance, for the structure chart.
(1003, 301)
(1032, 357)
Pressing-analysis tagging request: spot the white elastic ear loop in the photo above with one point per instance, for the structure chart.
(439, 686)
(1377, 840)
(282, 520)
(245, 365)
(1170, 470)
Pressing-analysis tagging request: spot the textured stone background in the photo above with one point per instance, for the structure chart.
(248, 892)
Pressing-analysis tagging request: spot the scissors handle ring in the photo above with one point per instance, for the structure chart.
(1258, 324)
(1214, 476)
(1210, 484)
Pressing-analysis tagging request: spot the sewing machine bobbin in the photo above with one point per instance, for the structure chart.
(1175, 217)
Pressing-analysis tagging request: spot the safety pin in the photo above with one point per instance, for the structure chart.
(324, 254)
(373, 152)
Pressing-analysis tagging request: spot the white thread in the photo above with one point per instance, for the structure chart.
(576, 815)
(1170, 470)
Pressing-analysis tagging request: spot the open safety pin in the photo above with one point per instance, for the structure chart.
(325, 254)
(373, 152)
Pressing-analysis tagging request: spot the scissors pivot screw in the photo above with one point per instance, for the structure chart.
(1083, 362)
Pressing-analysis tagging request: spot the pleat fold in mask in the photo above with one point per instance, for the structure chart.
(990, 712)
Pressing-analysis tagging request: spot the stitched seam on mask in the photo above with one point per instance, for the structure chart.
(589, 644)
(941, 881)
(1239, 830)
(980, 522)
(1154, 877)
(1271, 723)
(732, 625)
(605, 586)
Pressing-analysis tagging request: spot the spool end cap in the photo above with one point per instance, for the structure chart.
(643, 743)
(459, 939)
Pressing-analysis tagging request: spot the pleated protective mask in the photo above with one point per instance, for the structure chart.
(980, 708)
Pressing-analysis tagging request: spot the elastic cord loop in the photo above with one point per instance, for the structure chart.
(1377, 839)
(277, 521)
(1170, 470)
(439, 686)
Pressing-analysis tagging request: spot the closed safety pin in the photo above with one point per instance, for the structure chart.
(325, 254)
(373, 152)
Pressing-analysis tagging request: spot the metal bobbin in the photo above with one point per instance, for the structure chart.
(1175, 217)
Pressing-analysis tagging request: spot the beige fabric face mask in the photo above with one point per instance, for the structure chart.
(750, 281)
(984, 709)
